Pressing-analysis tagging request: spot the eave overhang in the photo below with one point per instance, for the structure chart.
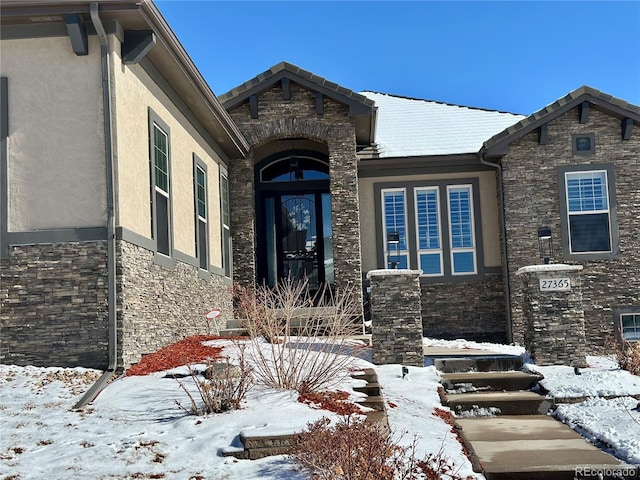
(361, 108)
(498, 145)
(426, 164)
(168, 56)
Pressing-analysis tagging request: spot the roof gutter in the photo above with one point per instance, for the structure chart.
(503, 231)
(97, 387)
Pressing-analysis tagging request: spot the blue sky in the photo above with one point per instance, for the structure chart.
(508, 55)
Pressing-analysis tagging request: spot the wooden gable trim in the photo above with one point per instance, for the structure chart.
(627, 127)
(543, 134)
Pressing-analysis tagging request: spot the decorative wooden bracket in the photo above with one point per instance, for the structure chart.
(286, 89)
(627, 127)
(253, 104)
(77, 30)
(584, 112)
(543, 134)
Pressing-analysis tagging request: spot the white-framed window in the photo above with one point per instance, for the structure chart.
(429, 239)
(588, 211)
(201, 212)
(437, 223)
(461, 229)
(630, 326)
(394, 219)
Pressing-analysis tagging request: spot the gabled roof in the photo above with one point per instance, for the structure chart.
(498, 144)
(409, 127)
(360, 107)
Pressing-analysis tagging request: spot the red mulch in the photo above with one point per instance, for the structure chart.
(189, 350)
(333, 401)
(449, 419)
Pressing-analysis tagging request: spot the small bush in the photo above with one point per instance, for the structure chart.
(628, 356)
(296, 341)
(221, 391)
(353, 449)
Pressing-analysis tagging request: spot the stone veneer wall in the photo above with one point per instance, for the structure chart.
(471, 310)
(54, 305)
(554, 320)
(297, 117)
(396, 328)
(532, 200)
(158, 306)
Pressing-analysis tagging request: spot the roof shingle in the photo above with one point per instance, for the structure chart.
(409, 127)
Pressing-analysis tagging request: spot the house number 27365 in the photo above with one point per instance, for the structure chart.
(555, 284)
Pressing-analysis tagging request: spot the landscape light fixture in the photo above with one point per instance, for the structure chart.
(545, 244)
(393, 238)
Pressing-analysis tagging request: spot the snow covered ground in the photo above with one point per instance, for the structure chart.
(614, 423)
(134, 429)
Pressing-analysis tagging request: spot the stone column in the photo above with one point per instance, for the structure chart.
(553, 314)
(396, 317)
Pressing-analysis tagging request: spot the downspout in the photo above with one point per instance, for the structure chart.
(503, 231)
(97, 387)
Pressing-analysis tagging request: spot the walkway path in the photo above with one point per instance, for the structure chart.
(522, 441)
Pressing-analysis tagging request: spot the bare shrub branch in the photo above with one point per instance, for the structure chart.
(627, 354)
(356, 450)
(222, 390)
(296, 341)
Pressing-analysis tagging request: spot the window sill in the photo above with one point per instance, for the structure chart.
(164, 261)
(476, 277)
(204, 274)
(591, 256)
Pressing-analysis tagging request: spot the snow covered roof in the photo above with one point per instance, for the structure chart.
(408, 127)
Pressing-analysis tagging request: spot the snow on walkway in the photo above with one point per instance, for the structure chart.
(613, 424)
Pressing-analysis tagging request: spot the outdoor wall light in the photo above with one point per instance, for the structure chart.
(393, 238)
(545, 244)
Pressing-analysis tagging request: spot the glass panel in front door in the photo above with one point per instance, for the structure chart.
(271, 242)
(299, 239)
(327, 234)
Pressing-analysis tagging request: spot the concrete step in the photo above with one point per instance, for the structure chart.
(371, 389)
(489, 381)
(377, 417)
(368, 374)
(500, 403)
(233, 332)
(477, 363)
(534, 448)
(233, 328)
(375, 402)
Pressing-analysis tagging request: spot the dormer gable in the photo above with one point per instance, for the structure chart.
(583, 98)
(284, 74)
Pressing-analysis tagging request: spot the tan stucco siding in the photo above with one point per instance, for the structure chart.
(488, 205)
(56, 160)
(135, 92)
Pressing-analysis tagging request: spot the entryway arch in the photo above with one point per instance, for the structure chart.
(293, 213)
